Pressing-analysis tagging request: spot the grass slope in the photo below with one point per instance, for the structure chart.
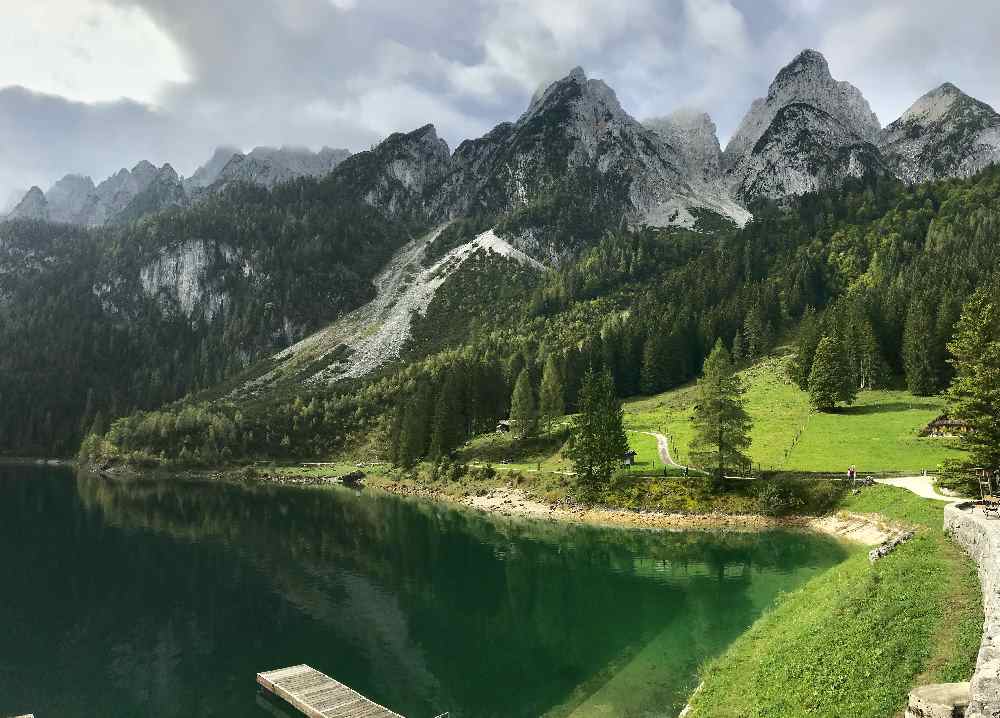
(855, 640)
(879, 433)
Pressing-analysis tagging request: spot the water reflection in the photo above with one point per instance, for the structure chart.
(157, 598)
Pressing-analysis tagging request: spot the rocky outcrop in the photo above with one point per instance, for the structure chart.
(164, 190)
(72, 200)
(32, 206)
(576, 140)
(980, 537)
(694, 136)
(945, 133)
(809, 133)
(209, 172)
(398, 175)
(178, 278)
(268, 166)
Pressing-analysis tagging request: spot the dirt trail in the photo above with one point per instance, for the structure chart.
(921, 486)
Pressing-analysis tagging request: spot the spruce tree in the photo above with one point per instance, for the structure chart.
(656, 369)
(523, 410)
(553, 404)
(739, 350)
(810, 332)
(974, 396)
(598, 444)
(721, 423)
(830, 381)
(919, 350)
(449, 422)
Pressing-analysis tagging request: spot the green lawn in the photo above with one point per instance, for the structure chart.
(855, 640)
(879, 433)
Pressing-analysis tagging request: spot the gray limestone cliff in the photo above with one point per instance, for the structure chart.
(946, 133)
(809, 133)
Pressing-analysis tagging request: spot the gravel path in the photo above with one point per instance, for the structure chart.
(921, 486)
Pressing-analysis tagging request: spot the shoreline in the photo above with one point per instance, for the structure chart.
(868, 530)
(510, 502)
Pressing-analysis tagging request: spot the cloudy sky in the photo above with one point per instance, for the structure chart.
(93, 85)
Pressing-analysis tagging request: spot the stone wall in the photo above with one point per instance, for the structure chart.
(980, 537)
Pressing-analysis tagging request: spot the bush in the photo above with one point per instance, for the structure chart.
(784, 496)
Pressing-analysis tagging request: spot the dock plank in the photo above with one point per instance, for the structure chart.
(316, 695)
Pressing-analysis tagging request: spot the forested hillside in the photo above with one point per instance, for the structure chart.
(97, 323)
(882, 269)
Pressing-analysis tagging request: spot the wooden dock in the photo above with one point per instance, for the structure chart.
(317, 695)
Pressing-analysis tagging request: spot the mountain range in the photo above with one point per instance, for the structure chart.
(286, 270)
(809, 132)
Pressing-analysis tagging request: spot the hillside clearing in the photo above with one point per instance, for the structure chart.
(879, 433)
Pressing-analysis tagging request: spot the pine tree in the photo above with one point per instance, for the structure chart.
(552, 401)
(523, 410)
(974, 396)
(721, 423)
(598, 444)
(919, 350)
(830, 381)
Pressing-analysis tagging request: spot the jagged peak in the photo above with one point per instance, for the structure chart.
(935, 104)
(810, 61)
(144, 166)
(167, 172)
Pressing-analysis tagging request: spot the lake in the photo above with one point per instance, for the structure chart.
(164, 598)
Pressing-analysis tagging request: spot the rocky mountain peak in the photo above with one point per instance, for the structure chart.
(805, 80)
(808, 133)
(32, 206)
(694, 135)
(268, 166)
(945, 133)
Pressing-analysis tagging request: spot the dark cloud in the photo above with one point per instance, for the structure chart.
(347, 72)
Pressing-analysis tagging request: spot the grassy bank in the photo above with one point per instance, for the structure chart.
(855, 640)
(878, 433)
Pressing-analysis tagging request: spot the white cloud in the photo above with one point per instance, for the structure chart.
(87, 50)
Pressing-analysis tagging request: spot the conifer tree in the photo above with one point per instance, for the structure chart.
(739, 350)
(974, 396)
(415, 432)
(449, 422)
(919, 350)
(598, 444)
(523, 410)
(810, 332)
(721, 423)
(553, 404)
(656, 369)
(830, 381)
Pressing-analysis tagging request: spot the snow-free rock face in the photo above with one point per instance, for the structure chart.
(72, 200)
(810, 132)
(178, 278)
(575, 138)
(268, 166)
(946, 133)
(164, 190)
(32, 206)
(398, 175)
(695, 137)
(207, 173)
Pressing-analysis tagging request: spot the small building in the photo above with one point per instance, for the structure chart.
(945, 426)
(504, 426)
(629, 458)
